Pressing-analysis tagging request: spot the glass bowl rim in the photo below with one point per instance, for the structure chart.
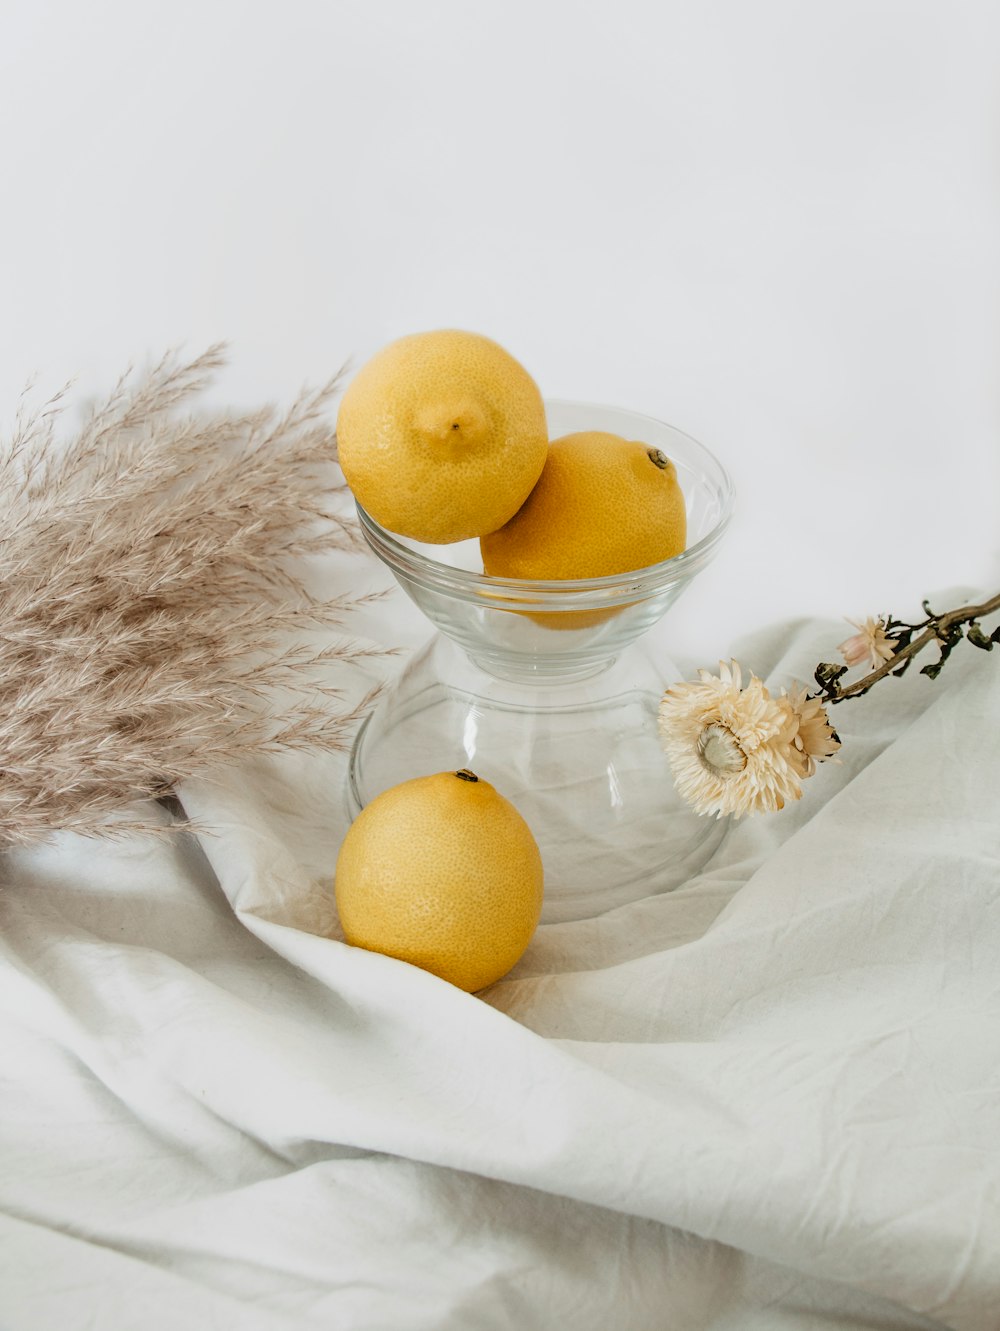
(576, 593)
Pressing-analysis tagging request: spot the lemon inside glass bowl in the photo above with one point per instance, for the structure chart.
(561, 723)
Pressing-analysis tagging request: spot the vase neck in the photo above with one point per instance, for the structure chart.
(548, 672)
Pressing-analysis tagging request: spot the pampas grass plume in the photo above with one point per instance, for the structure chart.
(153, 625)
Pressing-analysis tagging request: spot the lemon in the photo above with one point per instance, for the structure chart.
(443, 872)
(602, 505)
(441, 436)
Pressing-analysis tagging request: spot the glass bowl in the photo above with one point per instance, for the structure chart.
(541, 688)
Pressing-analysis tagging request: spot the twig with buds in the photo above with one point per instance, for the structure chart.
(945, 629)
(736, 749)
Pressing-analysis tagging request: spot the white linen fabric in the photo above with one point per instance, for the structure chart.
(767, 1100)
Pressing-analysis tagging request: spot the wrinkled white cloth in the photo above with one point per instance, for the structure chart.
(767, 1100)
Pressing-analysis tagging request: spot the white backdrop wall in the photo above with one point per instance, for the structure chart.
(774, 224)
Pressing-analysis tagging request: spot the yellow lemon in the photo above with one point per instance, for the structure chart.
(443, 872)
(441, 436)
(602, 505)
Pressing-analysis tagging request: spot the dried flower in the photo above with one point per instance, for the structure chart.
(870, 643)
(731, 747)
(815, 741)
(152, 606)
(738, 750)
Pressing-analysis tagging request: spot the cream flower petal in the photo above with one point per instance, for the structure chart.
(731, 747)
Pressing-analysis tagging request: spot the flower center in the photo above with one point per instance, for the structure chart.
(720, 752)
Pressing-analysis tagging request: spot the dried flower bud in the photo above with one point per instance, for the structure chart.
(870, 644)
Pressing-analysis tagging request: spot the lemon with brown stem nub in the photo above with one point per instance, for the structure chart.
(602, 505)
(443, 872)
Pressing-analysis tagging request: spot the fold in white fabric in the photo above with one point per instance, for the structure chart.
(769, 1099)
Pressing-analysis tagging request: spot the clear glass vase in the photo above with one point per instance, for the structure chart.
(542, 689)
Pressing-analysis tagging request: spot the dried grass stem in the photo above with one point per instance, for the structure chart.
(154, 621)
